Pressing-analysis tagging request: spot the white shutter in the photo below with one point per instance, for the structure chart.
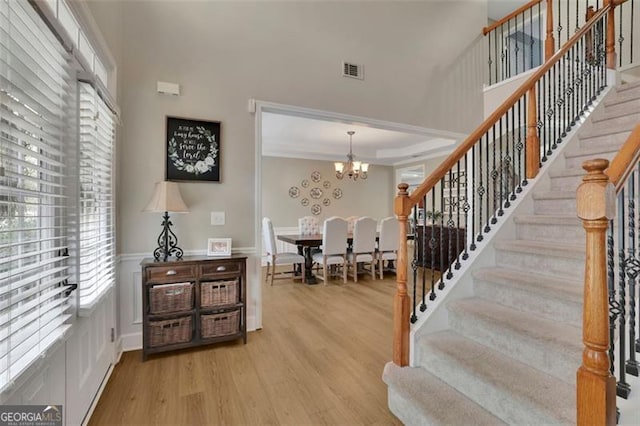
(96, 242)
(37, 93)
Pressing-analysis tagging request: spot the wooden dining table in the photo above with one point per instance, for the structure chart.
(306, 244)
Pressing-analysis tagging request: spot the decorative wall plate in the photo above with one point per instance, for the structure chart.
(337, 193)
(316, 209)
(326, 202)
(315, 193)
(294, 192)
(326, 184)
(304, 202)
(316, 176)
(304, 183)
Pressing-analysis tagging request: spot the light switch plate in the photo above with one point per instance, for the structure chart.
(217, 218)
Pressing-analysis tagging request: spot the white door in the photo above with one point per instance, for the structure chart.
(90, 353)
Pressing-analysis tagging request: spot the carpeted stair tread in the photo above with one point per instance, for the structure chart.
(622, 96)
(548, 219)
(550, 346)
(564, 288)
(627, 86)
(420, 404)
(606, 130)
(630, 110)
(591, 150)
(511, 390)
(568, 172)
(572, 251)
(554, 195)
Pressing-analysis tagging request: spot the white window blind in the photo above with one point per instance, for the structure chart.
(96, 240)
(36, 94)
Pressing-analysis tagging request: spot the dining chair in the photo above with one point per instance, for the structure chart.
(334, 247)
(274, 258)
(363, 248)
(388, 241)
(351, 221)
(308, 225)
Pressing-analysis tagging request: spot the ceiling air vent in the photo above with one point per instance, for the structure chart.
(353, 70)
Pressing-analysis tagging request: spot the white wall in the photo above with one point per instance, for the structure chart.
(372, 197)
(422, 67)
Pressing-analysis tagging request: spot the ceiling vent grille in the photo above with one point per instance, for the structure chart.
(353, 70)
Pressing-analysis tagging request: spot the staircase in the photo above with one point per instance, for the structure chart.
(511, 352)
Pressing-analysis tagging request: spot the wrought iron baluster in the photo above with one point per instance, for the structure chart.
(633, 268)
(620, 36)
(450, 225)
(441, 231)
(487, 228)
(414, 263)
(520, 147)
(432, 245)
(546, 105)
(614, 309)
(499, 171)
(494, 177)
(523, 152)
(458, 207)
(503, 57)
(490, 61)
(510, 135)
(524, 40)
(466, 206)
(472, 190)
(423, 259)
(623, 389)
(480, 190)
(559, 29)
(555, 107)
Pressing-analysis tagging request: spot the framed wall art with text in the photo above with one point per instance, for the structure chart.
(193, 150)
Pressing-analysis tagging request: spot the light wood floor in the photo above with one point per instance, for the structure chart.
(318, 360)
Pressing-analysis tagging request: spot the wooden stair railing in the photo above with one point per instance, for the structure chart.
(514, 42)
(604, 301)
(487, 170)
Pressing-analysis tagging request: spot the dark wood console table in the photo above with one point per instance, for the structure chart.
(439, 253)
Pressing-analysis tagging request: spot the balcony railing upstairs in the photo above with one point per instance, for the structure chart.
(606, 203)
(472, 188)
(514, 43)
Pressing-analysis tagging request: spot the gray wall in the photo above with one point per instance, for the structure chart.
(419, 69)
(372, 197)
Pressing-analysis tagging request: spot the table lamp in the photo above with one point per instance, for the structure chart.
(166, 198)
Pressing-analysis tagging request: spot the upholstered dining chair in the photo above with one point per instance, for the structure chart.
(274, 258)
(334, 247)
(388, 241)
(351, 221)
(363, 248)
(308, 225)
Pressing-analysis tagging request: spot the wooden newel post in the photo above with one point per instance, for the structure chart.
(401, 309)
(596, 393)
(549, 42)
(610, 42)
(533, 141)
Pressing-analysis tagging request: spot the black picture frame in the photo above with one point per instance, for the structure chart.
(193, 150)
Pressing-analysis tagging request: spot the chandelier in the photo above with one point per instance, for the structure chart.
(353, 169)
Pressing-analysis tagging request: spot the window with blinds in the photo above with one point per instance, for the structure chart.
(37, 92)
(96, 236)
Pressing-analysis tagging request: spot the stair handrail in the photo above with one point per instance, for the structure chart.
(513, 20)
(625, 160)
(596, 206)
(511, 15)
(490, 121)
(404, 201)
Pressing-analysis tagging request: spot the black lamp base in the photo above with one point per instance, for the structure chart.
(167, 242)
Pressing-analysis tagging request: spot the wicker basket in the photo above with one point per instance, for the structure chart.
(170, 298)
(216, 293)
(169, 332)
(216, 325)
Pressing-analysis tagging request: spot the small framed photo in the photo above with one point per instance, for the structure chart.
(219, 247)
